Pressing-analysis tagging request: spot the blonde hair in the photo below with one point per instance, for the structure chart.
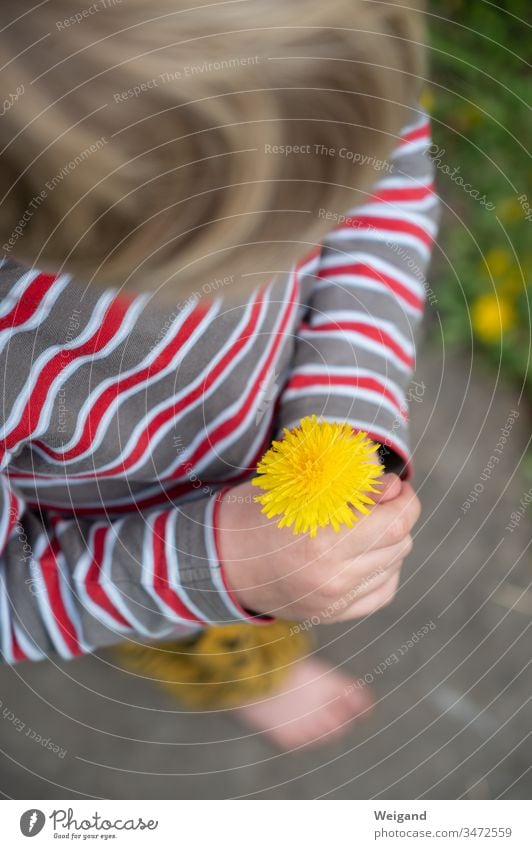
(160, 144)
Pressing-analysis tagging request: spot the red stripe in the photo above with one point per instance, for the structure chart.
(161, 583)
(411, 193)
(420, 132)
(28, 302)
(92, 579)
(122, 385)
(368, 330)
(12, 505)
(50, 572)
(360, 268)
(111, 323)
(394, 225)
(301, 381)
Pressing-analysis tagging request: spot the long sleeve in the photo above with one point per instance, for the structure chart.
(68, 587)
(119, 424)
(355, 352)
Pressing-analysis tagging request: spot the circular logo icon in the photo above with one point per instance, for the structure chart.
(32, 822)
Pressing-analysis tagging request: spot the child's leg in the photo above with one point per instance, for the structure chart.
(266, 672)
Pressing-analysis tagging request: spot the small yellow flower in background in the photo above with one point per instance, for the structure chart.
(491, 316)
(509, 210)
(316, 474)
(426, 100)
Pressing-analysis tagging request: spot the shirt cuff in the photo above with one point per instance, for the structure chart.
(202, 575)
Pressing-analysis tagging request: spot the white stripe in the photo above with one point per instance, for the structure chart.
(10, 299)
(407, 148)
(214, 564)
(33, 483)
(67, 596)
(386, 237)
(43, 599)
(5, 618)
(381, 265)
(41, 313)
(422, 204)
(403, 182)
(359, 340)
(363, 317)
(27, 644)
(174, 577)
(372, 396)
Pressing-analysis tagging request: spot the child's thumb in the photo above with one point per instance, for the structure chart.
(389, 489)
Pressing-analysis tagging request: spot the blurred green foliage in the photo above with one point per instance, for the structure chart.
(480, 59)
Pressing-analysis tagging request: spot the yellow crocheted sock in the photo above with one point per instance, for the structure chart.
(223, 666)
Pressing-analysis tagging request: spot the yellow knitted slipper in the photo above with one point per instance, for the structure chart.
(221, 667)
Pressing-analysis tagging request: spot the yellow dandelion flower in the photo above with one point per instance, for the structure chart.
(316, 474)
(491, 316)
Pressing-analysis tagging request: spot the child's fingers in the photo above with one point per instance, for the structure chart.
(372, 571)
(363, 576)
(373, 601)
(387, 524)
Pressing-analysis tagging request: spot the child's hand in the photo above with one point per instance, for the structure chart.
(333, 576)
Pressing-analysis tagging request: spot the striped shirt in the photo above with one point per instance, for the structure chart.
(121, 421)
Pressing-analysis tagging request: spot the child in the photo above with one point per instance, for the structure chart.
(180, 282)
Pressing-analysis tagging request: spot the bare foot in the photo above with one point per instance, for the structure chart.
(316, 705)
